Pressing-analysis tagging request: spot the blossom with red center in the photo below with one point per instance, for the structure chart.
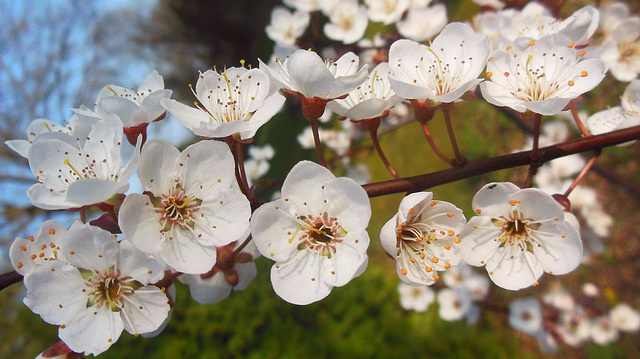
(316, 233)
(189, 207)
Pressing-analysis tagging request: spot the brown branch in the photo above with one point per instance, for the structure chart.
(478, 167)
(9, 278)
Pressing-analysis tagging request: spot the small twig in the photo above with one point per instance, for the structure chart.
(452, 137)
(372, 125)
(584, 171)
(576, 118)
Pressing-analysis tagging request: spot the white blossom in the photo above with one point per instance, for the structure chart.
(27, 255)
(517, 234)
(423, 238)
(454, 304)
(423, 23)
(237, 101)
(102, 290)
(443, 71)
(286, 26)
(315, 233)
(73, 176)
(386, 11)
(347, 22)
(190, 205)
(542, 77)
(304, 72)
(417, 298)
(135, 107)
(525, 315)
(625, 318)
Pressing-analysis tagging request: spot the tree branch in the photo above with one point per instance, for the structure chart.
(478, 167)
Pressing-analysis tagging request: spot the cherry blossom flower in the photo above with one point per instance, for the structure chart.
(230, 272)
(74, 131)
(542, 78)
(525, 315)
(416, 298)
(422, 237)
(386, 11)
(135, 107)
(441, 72)
(72, 176)
(27, 255)
(518, 234)
(574, 327)
(621, 50)
(286, 26)
(559, 298)
(625, 318)
(235, 102)
(306, 73)
(102, 290)
(371, 99)
(422, 23)
(454, 304)
(190, 205)
(347, 22)
(316, 233)
(603, 332)
(616, 118)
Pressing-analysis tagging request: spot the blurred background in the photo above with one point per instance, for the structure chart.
(57, 54)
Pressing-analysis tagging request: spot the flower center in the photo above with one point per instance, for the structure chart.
(320, 234)
(177, 209)
(108, 288)
(516, 230)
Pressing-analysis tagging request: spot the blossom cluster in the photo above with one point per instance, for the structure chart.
(199, 219)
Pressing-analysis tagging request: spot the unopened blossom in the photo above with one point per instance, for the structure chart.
(416, 298)
(236, 101)
(316, 233)
(135, 107)
(590, 290)
(625, 318)
(541, 78)
(518, 234)
(304, 72)
(190, 205)
(369, 100)
(386, 11)
(453, 304)
(74, 176)
(27, 255)
(603, 331)
(103, 289)
(443, 71)
(347, 22)
(230, 272)
(525, 315)
(423, 23)
(423, 238)
(287, 26)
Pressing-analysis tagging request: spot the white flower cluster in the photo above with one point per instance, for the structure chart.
(573, 325)
(198, 219)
